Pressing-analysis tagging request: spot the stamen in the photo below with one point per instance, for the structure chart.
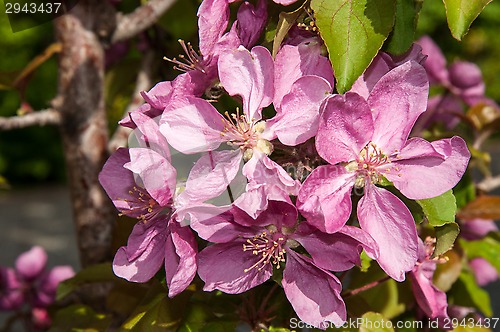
(270, 249)
(191, 61)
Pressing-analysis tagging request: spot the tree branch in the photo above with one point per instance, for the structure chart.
(489, 183)
(143, 82)
(140, 19)
(40, 118)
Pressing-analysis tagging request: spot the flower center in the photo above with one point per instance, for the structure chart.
(191, 61)
(367, 165)
(141, 205)
(245, 134)
(269, 247)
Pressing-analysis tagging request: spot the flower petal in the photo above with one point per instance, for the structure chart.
(156, 173)
(298, 117)
(48, 285)
(148, 132)
(251, 22)
(30, 264)
(223, 266)
(292, 62)
(389, 222)
(345, 127)
(11, 294)
(194, 118)
(213, 17)
(425, 176)
(313, 292)
(396, 101)
(435, 65)
(250, 75)
(144, 254)
(483, 271)
(429, 298)
(211, 175)
(324, 199)
(180, 258)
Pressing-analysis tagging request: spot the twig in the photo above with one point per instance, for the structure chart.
(140, 19)
(365, 287)
(40, 118)
(489, 184)
(143, 82)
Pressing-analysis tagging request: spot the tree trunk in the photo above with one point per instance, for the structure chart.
(83, 123)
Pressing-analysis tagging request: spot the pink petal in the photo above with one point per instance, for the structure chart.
(48, 285)
(12, 296)
(211, 175)
(180, 258)
(313, 292)
(260, 169)
(144, 254)
(476, 229)
(324, 199)
(435, 65)
(159, 96)
(194, 118)
(425, 176)
(278, 213)
(251, 22)
(389, 222)
(285, 2)
(365, 83)
(31, 263)
(151, 136)
(483, 271)
(222, 267)
(345, 127)
(298, 117)
(429, 298)
(397, 100)
(213, 17)
(466, 75)
(334, 252)
(250, 75)
(293, 62)
(157, 175)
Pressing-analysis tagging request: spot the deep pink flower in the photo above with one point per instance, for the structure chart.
(30, 282)
(365, 140)
(200, 68)
(246, 250)
(249, 74)
(429, 298)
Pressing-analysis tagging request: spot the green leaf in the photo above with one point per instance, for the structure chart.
(365, 261)
(94, 273)
(375, 322)
(285, 23)
(403, 34)
(445, 238)
(78, 317)
(158, 312)
(461, 13)
(466, 292)
(487, 248)
(439, 210)
(353, 31)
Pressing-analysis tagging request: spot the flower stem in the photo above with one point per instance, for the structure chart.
(365, 287)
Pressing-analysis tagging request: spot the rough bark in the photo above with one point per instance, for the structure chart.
(83, 126)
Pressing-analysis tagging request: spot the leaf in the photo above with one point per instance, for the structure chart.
(446, 274)
(487, 248)
(484, 207)
(353, 32)
(439, 210)
(94, 273)
(465, 292)
(461, 13)
(375, 322)
(77, 317)
(158, 312)
(285, 23)
(403, 34)
(445, 238)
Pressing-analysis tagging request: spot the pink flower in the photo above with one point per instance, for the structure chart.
(30, 282)
(246, 250)
(366, 140)
(142, 184)
(429, 298)
(249, 74)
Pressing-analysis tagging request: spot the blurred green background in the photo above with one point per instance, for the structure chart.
(34, 155)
